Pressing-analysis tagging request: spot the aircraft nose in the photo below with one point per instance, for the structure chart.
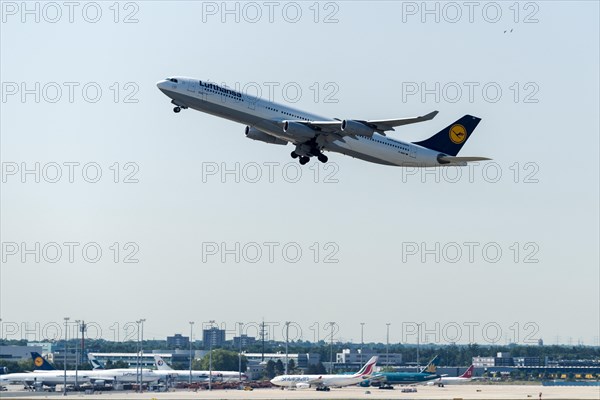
(162, 84)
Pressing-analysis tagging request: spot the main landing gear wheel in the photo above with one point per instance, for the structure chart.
(176, 109)
(294, 154)
(304, 160)
(323, 158)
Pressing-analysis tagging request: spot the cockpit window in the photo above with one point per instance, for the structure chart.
(172, 80)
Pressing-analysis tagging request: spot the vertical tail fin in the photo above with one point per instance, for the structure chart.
(452, 138)
(95, 363)
(159, 363)
(430, 368)
(468, 373)
(368, 368)
(40, 362)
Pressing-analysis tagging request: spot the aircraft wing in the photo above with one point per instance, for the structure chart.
(389, 124)
(316, 381)
(379, 125)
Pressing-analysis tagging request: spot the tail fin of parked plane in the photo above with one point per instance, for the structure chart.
(452, 138)
(40, 362)
(368, 368)
(430, 368)
(468, 373)
(159, 363)
(95, 363)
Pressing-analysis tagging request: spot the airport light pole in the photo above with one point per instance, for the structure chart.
(137, 356)
(65, 359)
(240, 354)
(331, 349)
(418, 345)
(387, 346)
(82, 330)
(362, 341)
(76, 356)
(142, 357)
(212, 321)
(287, 337)
(191, 333)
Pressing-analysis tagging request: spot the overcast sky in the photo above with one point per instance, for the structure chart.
(195, 222)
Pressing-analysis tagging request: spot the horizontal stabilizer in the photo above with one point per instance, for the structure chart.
(451, 159)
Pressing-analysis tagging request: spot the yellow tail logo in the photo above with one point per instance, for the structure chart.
(458, 134)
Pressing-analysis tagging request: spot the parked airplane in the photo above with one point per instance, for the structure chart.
(45, 374)
(387, 379)
(325, 382)
(119, 375)
(312, 134)
(467, 376)
(197, 376)
(46, 378)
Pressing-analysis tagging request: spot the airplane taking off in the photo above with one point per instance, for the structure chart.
(312, 134)
(325, 382)
(467, 376)
(197, 376)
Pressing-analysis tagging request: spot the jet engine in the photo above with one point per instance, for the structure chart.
(255, 134)
(302, 385)
(352, 127)
(298, 130)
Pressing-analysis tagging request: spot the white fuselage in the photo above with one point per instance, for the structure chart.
(323, 380)
(51, 378)
(198, 376)
(449, 380)
(267, 117)
(125, 375)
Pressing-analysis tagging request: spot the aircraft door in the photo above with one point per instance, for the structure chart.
(413, 151)
(192, 86)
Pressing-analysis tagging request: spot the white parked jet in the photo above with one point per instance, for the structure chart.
(121, 375)
(197, 376)
(467, 376)
(47, 378)
(324, 382)
(312, 134)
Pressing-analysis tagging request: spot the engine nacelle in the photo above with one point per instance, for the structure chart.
(351, 127)
(298, 130)
(302, 385)
(255, 134)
